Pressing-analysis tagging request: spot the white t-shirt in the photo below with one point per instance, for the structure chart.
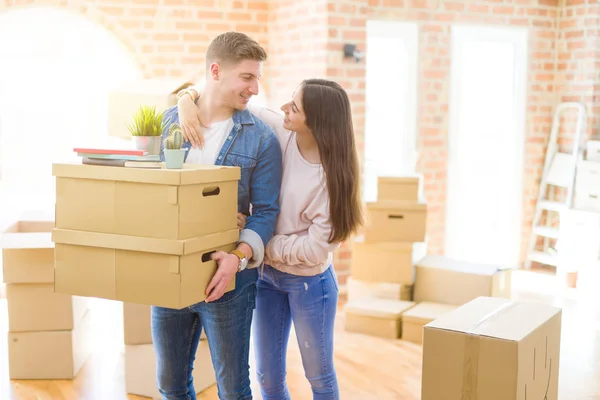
(214, 137)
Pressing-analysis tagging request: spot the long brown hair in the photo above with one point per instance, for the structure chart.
(329, 118)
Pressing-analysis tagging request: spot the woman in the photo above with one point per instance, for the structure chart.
(320, 208)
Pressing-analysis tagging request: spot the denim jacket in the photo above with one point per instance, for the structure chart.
(252, 146)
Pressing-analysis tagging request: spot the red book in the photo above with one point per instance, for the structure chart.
(131, 152)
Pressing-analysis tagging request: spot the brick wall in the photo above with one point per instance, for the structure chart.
(305, 39)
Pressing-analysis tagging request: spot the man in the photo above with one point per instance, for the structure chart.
(233, 136)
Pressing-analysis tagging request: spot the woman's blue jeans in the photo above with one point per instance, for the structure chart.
(311, 303)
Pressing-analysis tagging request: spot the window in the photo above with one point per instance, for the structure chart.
(391, 100)
(53, 96)
(486, 141)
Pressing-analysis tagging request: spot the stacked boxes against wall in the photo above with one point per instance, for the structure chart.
(49, 332)
(380, 289)
(144, 237)
(140, 359)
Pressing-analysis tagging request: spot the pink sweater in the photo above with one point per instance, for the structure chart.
(300, 245)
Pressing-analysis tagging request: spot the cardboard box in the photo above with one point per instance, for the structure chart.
(396, 221)
(440, 279)
(376, 317)
(137, 327)
(49, 354)
(35, 307)
(493, 349)
(358, 290)
(398, 188)
(420, 315)
(125, 101)
(391, 262)
(161, 272)
(28, 257)
(163, 203)
(140, 370)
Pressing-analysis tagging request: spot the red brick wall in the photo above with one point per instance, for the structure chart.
(347, 24)
(305, 39)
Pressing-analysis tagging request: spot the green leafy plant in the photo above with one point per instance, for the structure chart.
(147, 122)
(174, 140)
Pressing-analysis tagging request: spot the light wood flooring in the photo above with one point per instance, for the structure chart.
(368, 368)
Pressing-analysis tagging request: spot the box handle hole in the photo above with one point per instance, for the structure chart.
(206, 256)
(396, 216)
(211, 191)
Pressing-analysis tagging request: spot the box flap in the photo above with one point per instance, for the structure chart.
(149, 245)
(383, 246)
(442, 262)
(397, 205)
(405, 179)
(373, 307)
(496, 317)
(427, 311)
(188, 175)
(210, 241)
(121, 242)
(34, 240)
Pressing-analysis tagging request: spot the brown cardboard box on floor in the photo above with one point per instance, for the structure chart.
(35, 307)
(398, 188)
(358, 290)
(440, 279)
(28, 256)
(27, 251)
(493, 349)
(420, 315)
(376, 317)
(140, 370)
(396, 221)
(125, 101)
(391, 262)
(161, 272)
(49, 354)
(163, 203)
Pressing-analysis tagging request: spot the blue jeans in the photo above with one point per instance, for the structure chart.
(227, 323)
(311, 303)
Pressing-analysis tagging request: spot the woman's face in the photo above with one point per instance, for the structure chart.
(295, 119)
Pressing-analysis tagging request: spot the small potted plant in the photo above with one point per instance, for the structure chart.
(174, 154)
(147, 129)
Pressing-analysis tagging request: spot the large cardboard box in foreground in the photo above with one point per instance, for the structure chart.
(125, 100)
(140, 370)
(155, 203)
(441, 279)
(493, 349)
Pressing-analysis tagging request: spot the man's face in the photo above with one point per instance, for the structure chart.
(238, 83)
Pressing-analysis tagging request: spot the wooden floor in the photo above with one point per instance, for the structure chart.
(368, 368)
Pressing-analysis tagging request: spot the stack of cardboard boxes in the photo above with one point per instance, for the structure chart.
(380, 289)
(144, 237)
(391, 270)
(140, 358)
(48, 332)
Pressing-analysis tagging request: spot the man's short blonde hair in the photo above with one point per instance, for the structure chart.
(230, 48)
